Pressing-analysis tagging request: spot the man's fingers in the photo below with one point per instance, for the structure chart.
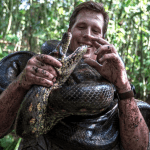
(105, 49)
(93, 64)
(42, 73)
(49, 60)
(101, 41)
(41, 81)
(106, 57)
(44, 66)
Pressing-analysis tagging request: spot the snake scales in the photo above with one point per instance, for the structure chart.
(84, 93)
(42, 108)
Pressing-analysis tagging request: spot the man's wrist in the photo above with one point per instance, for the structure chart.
(125, 91)
(126, 95)
(22, 83)
(124, 88)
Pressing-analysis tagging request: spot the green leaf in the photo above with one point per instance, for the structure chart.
(18, 143)
(128, 2)
(61, 11)
(130, 58)
(7, 140)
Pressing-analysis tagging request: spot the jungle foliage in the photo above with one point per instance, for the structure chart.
(26, 24)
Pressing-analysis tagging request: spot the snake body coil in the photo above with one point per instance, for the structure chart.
(84, 93)
(32, 118)
(42, 108)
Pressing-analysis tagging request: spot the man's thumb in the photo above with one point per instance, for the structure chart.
(93, 64)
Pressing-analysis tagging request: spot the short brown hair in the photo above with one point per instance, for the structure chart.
(90, 5)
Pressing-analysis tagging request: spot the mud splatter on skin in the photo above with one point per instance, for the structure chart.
(41, 64)
(44, 72)
(133, 129)
(36, 70)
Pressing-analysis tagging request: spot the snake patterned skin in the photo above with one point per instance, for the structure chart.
(32, 118)
(84, 132)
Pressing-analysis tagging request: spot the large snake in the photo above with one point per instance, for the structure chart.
(42, 108)
(84, 93)
(32, 118)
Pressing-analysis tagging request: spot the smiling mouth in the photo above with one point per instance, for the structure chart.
(89, 46)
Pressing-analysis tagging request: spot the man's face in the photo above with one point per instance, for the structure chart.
(88, 24)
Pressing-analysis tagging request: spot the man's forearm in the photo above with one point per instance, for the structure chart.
(10, 101)
(134, 132)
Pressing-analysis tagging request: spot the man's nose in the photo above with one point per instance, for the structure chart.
(87, 34)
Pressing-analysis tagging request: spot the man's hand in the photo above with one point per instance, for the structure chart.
(109, 64)
(40, 71)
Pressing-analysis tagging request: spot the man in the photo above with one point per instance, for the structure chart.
(88, 25)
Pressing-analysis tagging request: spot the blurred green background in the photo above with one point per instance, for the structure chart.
(26, 24)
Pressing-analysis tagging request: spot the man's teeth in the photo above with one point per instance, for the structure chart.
(85, 44)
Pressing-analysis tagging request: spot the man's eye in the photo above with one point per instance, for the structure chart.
(95, 31)
(80, 27)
